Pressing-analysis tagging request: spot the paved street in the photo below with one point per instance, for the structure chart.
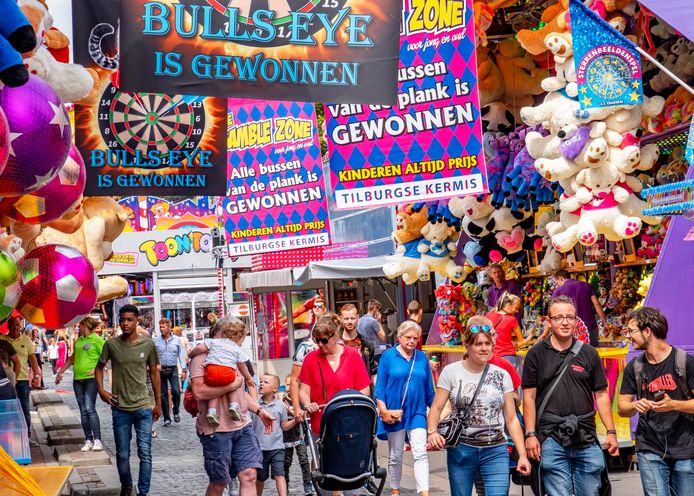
(178, 467)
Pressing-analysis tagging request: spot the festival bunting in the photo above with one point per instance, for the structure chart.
(429, 145)
(141, 143)
(608, 66)
(295, 50)
(275, 198)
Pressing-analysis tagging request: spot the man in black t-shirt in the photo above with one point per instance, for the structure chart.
(565, 442)
(660, 389)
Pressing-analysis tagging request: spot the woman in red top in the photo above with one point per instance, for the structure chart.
(507, 327)
(329, 369)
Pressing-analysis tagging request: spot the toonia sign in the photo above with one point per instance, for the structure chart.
(175, 245)
(153, 251)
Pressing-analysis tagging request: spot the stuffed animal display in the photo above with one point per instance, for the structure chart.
(542, 149)
(593, 155)
(42, 174)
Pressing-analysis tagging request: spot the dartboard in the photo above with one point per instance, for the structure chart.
(608, 76)
(282, 19)
(143, 122)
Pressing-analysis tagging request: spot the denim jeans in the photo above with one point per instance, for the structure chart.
(665, 477)
(571, 471)
(513, 359)
(169, 376)
(123, 423)
(465, 461)
(85, 393)
(23, 388)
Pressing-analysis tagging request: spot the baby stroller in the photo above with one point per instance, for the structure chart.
(344, 456)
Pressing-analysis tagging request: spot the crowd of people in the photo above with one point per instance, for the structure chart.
(249, 432)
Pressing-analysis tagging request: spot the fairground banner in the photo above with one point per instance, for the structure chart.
(275, 196)
(429, 145)
(608, 66)
(141, 143)
(342, 51)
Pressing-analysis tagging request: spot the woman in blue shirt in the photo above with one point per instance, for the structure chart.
(404, 390)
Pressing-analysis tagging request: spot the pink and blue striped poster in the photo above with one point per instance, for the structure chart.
(275, 198)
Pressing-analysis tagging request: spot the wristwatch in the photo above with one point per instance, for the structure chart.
(611, 431)
(260, 407)
(530, 434)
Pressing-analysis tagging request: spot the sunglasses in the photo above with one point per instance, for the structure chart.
(478, 328)
(323, 341)
(319, 305)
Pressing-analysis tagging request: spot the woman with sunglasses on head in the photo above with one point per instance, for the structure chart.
(503, 319)
(481, 443)
(404, 390)
(332, 368)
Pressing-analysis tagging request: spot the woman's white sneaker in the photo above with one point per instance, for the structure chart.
(88, 446)
(97, 445)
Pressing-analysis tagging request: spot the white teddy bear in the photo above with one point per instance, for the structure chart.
(578, 149)
(600, 195)
(438, 248)
(560, 44)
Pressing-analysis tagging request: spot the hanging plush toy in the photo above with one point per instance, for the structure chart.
(438, 249)
(407, 235)
(16, 38)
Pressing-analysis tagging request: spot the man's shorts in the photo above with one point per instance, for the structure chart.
(228, 453)
(273, 460)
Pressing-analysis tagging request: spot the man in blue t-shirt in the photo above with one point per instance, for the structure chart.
(369, 326)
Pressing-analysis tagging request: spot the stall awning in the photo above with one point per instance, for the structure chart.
(677, 13)
(266, 279)
(350, 268)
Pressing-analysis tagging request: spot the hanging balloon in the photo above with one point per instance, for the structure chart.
(4, 140)
(52, 200)
(59, 286)
(9, 285)
(39, 139)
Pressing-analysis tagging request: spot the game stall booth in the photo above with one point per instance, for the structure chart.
(596, 190)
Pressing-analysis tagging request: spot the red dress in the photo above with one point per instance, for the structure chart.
(350, 374)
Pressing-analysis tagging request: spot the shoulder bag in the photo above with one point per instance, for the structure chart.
(397, 414)
(575, 349)
(452, 428)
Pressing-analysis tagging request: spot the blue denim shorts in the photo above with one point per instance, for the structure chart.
(228, 453)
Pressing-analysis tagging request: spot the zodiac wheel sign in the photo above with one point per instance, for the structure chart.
(609, 76)
(143, 122)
